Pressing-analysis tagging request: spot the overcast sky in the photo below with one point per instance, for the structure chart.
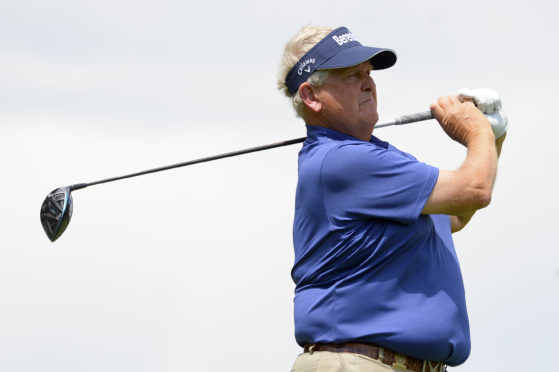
(189, 270)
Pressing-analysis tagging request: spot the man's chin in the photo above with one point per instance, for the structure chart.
(373, 119)
(370, 115)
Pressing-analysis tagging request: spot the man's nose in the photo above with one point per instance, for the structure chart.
(369, 84)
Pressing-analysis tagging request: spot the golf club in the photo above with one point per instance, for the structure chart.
(56, 210)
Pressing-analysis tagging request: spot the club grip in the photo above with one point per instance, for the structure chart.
(412, 118)
(406, 119)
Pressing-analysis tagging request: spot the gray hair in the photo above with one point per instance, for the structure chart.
(295, 48)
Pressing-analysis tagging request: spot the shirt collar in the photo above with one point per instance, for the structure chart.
(315, 133)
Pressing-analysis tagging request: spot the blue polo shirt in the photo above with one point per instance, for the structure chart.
(369, 267)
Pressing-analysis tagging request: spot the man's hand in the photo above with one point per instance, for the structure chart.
(488, 102)
(499, 122)
(460, 120)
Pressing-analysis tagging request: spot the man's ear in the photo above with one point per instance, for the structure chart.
(309, 96)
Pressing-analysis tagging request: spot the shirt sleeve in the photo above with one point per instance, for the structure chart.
(363, 181)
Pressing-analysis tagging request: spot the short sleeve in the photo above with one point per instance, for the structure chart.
(363, 181)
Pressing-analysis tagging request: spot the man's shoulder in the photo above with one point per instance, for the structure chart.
(346, 151)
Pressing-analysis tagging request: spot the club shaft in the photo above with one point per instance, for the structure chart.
(405, 119)
(196, 161)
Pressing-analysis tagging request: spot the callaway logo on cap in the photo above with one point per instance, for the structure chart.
(337, 50)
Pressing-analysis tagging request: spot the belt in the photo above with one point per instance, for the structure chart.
(391, 358)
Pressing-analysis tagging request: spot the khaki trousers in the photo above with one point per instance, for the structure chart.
(327, 361)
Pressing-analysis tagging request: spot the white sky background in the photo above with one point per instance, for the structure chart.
(189, 269)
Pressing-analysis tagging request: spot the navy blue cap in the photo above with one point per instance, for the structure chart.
(337, 50)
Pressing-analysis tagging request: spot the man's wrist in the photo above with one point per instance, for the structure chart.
(480, 135)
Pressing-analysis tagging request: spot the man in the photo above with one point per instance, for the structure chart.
(378, 284)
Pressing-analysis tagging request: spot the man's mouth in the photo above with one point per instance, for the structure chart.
(368, 100)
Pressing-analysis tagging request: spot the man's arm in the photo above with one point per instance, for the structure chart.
(457, 223)
(463, 191)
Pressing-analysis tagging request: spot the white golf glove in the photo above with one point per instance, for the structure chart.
(486, 100)
(489, 103)
(499, 122)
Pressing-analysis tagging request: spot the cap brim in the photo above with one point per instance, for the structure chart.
(380, 58)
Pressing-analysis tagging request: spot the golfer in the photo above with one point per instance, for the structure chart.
(378, 283)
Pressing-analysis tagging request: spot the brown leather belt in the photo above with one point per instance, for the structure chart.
(395, 360)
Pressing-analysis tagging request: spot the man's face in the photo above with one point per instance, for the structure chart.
(349, 100)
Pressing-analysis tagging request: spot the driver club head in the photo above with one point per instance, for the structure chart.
(56, 212)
